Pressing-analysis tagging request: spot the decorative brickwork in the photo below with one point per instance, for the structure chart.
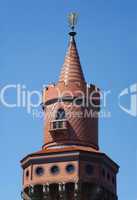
(70, 165)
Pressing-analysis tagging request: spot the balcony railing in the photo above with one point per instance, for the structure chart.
(58, 125)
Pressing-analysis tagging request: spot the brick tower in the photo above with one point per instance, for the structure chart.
(70, 165)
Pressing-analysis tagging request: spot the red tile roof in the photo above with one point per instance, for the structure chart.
(63, 149)
(71, 70)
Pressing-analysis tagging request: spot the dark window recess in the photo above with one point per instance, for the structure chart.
(27, 173)
(79, 102)
(89, 169)
(55, 169)
(103, 172)
(60, 114)
(108, 176)
(54, 125)
(39, 171)
(70, 168)
(58, 125)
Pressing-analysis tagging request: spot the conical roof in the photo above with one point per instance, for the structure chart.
(71, 70)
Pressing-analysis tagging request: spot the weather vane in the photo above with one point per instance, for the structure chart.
(72, 18)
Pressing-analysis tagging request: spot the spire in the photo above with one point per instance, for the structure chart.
(71, 70)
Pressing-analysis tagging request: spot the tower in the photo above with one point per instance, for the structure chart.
(70, 165)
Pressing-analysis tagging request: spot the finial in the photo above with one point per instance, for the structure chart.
(72, 18)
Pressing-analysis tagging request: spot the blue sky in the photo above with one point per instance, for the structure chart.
(33, 37)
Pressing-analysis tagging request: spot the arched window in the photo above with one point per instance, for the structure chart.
(60, 122)
(60, 115)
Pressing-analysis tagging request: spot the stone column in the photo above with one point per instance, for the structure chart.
(30, 195)
(24, 196)
(62, 194)
(31, 192)
(46, 192)
(77, 191)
